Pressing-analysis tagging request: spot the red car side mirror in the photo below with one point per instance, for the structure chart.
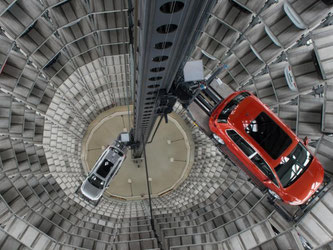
(306, 140)
(267, 181)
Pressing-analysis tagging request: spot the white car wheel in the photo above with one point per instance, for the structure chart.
(218, 139)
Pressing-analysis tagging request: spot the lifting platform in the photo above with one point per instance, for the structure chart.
(200, 109)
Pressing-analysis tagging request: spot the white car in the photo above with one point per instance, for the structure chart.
(106, 167)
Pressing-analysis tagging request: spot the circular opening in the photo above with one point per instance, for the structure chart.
(153, 86)
(166, 28)
(160, 58)
(171, 7)
(163, 45)
(157, 69)
(155, 78)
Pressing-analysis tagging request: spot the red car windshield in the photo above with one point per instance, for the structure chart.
(268, 135)
(223, 117)
(292, 166)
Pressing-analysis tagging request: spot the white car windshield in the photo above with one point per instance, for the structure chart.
(96, 182)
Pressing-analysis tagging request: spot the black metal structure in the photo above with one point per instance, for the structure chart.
(166, 33)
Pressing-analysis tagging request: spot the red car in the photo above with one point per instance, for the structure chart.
(272, 154)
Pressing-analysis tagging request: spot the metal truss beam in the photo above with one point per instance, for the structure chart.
(168, 30)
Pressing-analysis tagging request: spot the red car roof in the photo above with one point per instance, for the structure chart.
(245, 113)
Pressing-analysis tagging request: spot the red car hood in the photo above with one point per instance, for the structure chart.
(301, 190)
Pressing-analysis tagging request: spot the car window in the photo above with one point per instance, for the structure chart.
(241, 143)
(269, 135)
(223, 117)
(104, 168)
(294, 165)
(117, 151)
(95, 181)
(262, 165)
(252, 154)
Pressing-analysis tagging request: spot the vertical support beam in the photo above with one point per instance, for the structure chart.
(166, 36)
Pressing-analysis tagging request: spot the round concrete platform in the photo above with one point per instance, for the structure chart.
(169, 156)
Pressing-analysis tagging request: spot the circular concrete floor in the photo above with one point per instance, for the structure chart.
(169, 156)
